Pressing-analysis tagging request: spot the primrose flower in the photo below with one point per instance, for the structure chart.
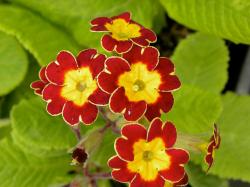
(182, 182)
(39, 85)
(148, 158)
(212, 146)
(139, 83)
(72, 88)
(122, 33)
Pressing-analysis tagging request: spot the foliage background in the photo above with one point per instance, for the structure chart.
(35, 148)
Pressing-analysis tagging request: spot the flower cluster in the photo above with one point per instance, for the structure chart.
(135, 83)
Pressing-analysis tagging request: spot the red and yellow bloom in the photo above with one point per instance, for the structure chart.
(139, 83)
(122, 33)
(72, 89)
(39, 85)
(148, 158)
(212, 146)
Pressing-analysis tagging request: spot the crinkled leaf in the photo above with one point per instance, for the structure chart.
(233, 157)
(202, 60)
(13, 63)
(75, 16)
(229, 19)
(198, 178)
(194, 110)
(22, 169)
(33, 125)
(36, 34)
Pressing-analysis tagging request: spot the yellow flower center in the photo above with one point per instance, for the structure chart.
(140, 83)
(122, 31)
(149, 158)
(78, 86)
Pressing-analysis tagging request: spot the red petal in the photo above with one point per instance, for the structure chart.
(108, 43)
(100, 21)
(116, 163)
(211, 147)
(118, 101)
(165, 66)
(209, 160)
(89, 113)
(124, 149)
(178, 156)
(155, 129)
(123, 46)
(90, 58)
(140, 41)
(169, 134)
(73, 114)
(148, 35)
(98, 97)
(125, 15)
(38, 87)
(107, 82)
(148, 56)
(51, 94)
(55, 71)
(97, 28)
(173, 174)
(135, 110)
(42, 75)
(182, 182)
(55, 107)
(134, 132)
(123, 175)
(117, 65)
(152, 112)
(164, 103)
(139, 182)
(169, 83)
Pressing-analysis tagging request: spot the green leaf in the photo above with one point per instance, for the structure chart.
(194, 110)
(202, 61)
(37, 35)
(229, 19)
(21, 169)
(75, 16)
(23, 91)
(13, 64)
(34, 127)
(198, 178)
(233, 158)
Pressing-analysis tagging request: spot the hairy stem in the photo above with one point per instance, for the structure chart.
(77, 132)
(109, 123)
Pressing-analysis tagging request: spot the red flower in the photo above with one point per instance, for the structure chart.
(148, 158)
(72, 88)
(212, 146)
(39, 85)
(123, 32)
(140, 82)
